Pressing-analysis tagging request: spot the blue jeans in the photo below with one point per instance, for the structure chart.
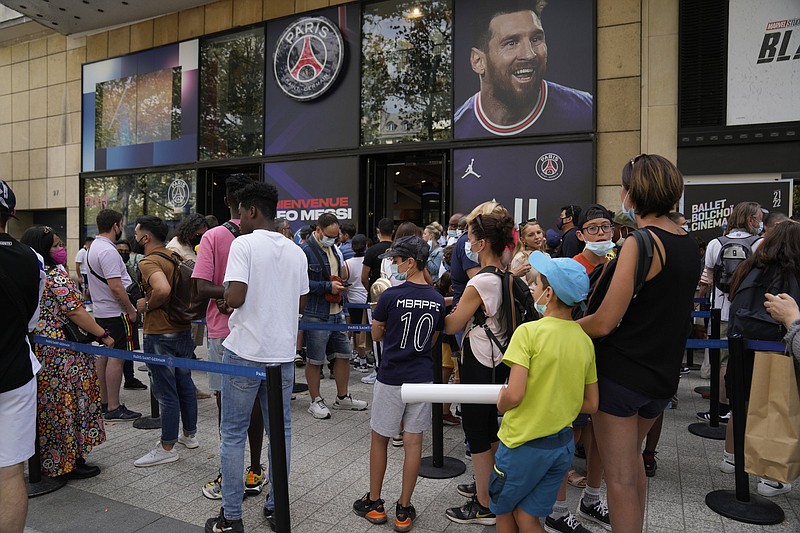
(238, 397)
(173, 387)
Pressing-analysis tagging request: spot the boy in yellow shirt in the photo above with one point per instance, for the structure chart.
(552, 379)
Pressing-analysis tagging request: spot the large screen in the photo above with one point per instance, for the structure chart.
(140, 110)
(763, 62)
(523, 72)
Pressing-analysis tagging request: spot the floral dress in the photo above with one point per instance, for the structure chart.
(69, 412)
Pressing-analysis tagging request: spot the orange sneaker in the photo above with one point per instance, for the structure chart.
(372, 510)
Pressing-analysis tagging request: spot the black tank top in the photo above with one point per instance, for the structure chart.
(644, 354)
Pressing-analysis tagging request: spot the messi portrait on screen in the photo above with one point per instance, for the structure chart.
(524, 67)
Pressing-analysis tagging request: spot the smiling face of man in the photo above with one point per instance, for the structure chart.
(514, 62)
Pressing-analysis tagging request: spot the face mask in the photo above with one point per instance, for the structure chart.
(137, 247)
(327, 241)
(196, 240)
(560, 223)
(540, 308)
(118, 235)
(472, 256)
(396, 274)
(126, 256)
(59, 256)
(600, 248)
(630, 213)
(760, 228)
(685, 228)
(430, 244)
(452, 233)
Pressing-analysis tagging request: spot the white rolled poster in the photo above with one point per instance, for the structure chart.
(449, 393)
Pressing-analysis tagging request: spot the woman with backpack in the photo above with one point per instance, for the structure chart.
(480, 315)
(643, 338)
(774, 268)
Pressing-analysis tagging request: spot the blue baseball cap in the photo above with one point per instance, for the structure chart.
(566, 276)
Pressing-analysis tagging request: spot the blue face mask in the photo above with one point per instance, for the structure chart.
(472, 256)
(630, 213)
(540, 308)
(760, 228)
(396, 274)
(430, 244)
(327, 241)
(452, 233)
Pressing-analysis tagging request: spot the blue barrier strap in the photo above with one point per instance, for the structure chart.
(707, 343)
(356, 306)
(702, 300)
(701, 314)
(326, 326)
(155, 359)
(766, 346)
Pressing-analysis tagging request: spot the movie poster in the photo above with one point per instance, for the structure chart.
(308, 188)
(763, 62)
(531, 181)
(707, 204)
(523, 73)
(312, 83)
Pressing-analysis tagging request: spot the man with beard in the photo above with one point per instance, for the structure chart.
(509, 54)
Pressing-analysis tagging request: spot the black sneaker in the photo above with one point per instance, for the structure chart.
(566, 524)
(134, 384)
(467, 490)
(597, 513)
(372, 510)
(472, 513)
(403, 517)
(724, 416)
(121, 413)
(269, 514)
(219, 524)
(650, 465)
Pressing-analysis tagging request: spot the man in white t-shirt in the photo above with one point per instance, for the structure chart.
(263, 331)
(81, 270)
(746, 222)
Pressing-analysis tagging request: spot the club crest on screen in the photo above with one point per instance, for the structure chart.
(308, 58)
(549, 166)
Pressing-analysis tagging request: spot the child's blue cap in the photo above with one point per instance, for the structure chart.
(566, 276)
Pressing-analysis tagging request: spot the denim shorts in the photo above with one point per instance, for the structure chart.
(530, 475)
(621, 401)
(215, 351)
(322, 344)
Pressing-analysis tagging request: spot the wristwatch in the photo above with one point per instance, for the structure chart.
(106, 334)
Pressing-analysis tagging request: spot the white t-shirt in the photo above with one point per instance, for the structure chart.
(721, 300)
(488, 286)
(356, 293)
(275, 269)
(80, 258)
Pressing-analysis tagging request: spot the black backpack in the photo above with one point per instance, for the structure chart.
(518, 306)
(730, 256)
(748, 317)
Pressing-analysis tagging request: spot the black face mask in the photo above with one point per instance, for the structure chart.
(136, 247)
(117, 235)
(196, 240)
(125, 256)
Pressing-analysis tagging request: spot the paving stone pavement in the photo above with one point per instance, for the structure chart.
(330, 469)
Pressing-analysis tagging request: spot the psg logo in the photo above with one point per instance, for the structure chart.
(308, 58)
(549, 167)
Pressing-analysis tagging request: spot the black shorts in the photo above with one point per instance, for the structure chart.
(478, 420)
(124, 332)
(623, 402)
(356, 315)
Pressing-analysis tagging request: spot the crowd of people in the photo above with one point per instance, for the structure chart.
(597, 378)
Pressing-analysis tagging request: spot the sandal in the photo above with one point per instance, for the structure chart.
(575, 479)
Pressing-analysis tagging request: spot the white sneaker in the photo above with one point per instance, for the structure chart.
(369, 379)
(190, 441)
(318, 409)
(769, 488)
(157, 456)
(726, 464)
(349, 404)
(364, 368)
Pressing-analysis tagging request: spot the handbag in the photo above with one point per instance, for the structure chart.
(74, 333)
(772, 433)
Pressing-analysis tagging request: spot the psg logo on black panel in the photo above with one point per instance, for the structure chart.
(308, 58)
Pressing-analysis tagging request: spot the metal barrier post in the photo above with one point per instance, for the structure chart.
(154, 420)
(713, 429)
(739, 504)
(277, 447)
(438, 466)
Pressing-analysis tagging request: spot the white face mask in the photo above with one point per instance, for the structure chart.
(472, 256)
(600, 248)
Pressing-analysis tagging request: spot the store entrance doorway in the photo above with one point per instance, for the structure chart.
(408, 186)
(211, 188)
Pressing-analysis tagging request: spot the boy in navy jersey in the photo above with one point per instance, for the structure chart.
(408, 319)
